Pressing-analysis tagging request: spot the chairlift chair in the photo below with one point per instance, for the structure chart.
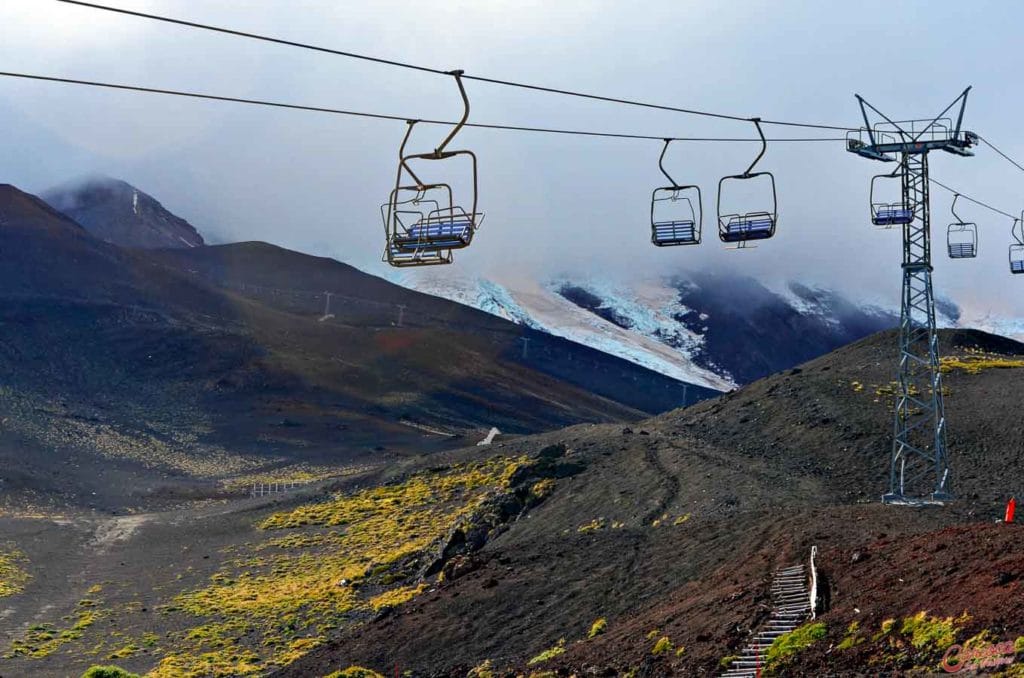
(889, 214)
(740, 228)
(429, 236)
(405, 207)
(1017, 248)
(961, 237)
(674, 221)
(1016, 258)
(425, 219)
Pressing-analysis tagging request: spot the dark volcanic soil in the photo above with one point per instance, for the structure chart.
(205, 363)
(696, 508)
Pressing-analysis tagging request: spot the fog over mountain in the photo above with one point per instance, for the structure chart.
(556, 205)
(119, 213)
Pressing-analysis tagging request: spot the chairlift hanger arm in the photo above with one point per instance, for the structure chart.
(952, 208)
(764, 146)
(402, 156)
(439, 151)
(661, 165)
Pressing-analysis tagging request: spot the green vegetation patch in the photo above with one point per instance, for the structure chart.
(322, 564)
(926, 631)
(355, 672)
(977, 363)
(852, 638)
(788, 645)
(550, 653)
(42, 640)
(598, 627)
(13, 575)
(663, 646)
(108, 672)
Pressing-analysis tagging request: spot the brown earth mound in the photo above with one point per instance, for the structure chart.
(672, 528)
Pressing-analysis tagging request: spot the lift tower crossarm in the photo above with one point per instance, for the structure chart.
(889, 137)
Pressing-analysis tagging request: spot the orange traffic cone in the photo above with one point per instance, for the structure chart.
(1011, 508)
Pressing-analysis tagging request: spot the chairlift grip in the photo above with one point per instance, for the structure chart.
(465, 114)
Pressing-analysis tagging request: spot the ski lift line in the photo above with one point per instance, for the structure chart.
(438, 71)
(969, 198)
(402, 118)
(1005, 157)
(385, 116)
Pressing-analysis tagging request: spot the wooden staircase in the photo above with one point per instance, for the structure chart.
(792, 606)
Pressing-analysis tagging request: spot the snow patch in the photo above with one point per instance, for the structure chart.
(541, 307)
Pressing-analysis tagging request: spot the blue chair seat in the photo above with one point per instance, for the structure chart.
(673, 233)
(888, 216)
(435, 235)
(748, 228)
(1017, 266)
(962, 250)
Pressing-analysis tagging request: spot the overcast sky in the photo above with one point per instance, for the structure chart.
(554, 204)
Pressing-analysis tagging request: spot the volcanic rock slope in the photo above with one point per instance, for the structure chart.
(154, 370)
(119, 213)
(672, 527)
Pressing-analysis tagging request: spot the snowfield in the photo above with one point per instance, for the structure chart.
(647, 323)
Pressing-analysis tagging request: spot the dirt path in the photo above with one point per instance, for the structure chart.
(118, 529)
(667, 479)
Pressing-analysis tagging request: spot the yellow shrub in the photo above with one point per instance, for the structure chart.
(13, 577)
(662, 646)
(396, 597)
(355, 672)
(593, 526)
(926, 631)
(297, 585)
(550, 653)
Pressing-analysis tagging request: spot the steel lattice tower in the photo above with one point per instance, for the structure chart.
(919, 465)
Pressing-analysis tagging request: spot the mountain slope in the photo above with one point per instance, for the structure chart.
(176, 362)
(672, 529)
(121, 214)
